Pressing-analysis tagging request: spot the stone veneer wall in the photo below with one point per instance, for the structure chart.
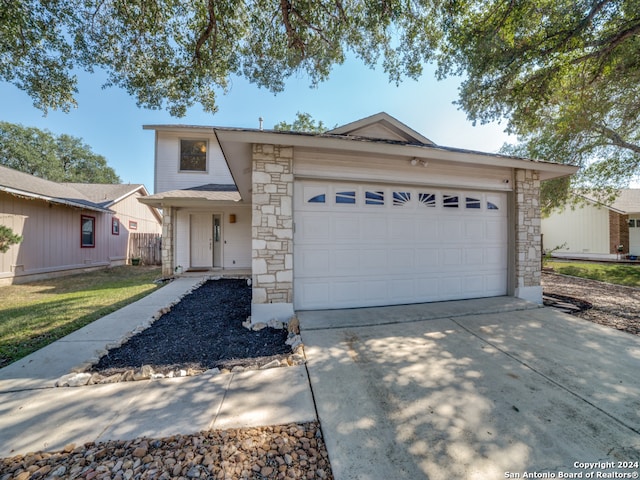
(618, 232)
(272, 224)
(528, 247)
(167, 241)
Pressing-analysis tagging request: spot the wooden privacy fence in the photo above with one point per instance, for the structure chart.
(147, 247)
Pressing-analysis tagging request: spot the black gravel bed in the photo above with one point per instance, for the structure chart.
(203, 331)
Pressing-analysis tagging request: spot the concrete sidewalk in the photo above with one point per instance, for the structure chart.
(35, 415)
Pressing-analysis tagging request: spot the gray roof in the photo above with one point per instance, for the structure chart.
(96, 197)
(628, 201)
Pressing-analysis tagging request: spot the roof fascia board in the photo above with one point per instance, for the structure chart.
(177, 128)
(128, 194)
(419, 151)
(600, 204)
(188, 202)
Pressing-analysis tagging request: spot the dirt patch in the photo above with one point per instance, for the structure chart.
(614, 306)
(203, 331)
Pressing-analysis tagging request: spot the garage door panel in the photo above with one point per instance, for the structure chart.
(315, 229)
(401, 260)
(343, 292)
(314, 293)
(402, 230)
(494, 256)
(426, 258)
(346, 228)
(317, 261)
(474, 230)
(345, 261)
(474, 285)
(494, 284)
(371, 260)
(427, 230)
(449, 230)
(451, 256)
(355, 255)
(496, 230)
(374, 290)
(373, 228)
(402, 289)
(450, 287)
(427, 288)
(474, 256)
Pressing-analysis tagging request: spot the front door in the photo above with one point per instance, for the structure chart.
(201, 240)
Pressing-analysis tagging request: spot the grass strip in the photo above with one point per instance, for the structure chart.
(33, 315)
(619, 274)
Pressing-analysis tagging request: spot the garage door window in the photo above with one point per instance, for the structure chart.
(427, 199)
(401, 198)
(374, 198)
(450, 201)
(346, 197)
(318, 199)
(473, 202)
(492, 206)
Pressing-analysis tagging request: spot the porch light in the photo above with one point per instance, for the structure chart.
(232, 218)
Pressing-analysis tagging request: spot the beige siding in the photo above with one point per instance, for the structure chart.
(129, 210)
(168, 175)
(378, 131)
(311, 165)
(51, 238)
(584, 230)
(236, 248)
(52, 235)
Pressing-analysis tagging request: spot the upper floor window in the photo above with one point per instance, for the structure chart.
(193, 155)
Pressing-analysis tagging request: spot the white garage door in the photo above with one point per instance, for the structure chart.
(367, 245)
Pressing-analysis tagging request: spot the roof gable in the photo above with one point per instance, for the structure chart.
(626, 202)
(382, 126)
(106, 194)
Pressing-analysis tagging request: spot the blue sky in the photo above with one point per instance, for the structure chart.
(110, 122)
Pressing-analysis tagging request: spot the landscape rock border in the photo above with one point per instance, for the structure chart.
(81, 376)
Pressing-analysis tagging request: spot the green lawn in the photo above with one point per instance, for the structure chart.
(620, 274)
(32, 315)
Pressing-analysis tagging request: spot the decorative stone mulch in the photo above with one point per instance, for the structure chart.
(206, 330)
(294, 451)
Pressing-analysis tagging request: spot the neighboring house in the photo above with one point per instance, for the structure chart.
(368, 214)
(68, 226)
(594, 230)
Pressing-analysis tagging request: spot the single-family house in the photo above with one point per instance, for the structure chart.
(371, 213)
(68, 227)
(595, 230)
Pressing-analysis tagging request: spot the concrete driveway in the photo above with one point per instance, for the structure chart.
(478, 389)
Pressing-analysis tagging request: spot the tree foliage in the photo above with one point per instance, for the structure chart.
(170, 53)
(565, 74)
(304, 122)
(61, 158)
(8, 238)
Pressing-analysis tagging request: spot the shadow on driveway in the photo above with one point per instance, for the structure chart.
(476, 396)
